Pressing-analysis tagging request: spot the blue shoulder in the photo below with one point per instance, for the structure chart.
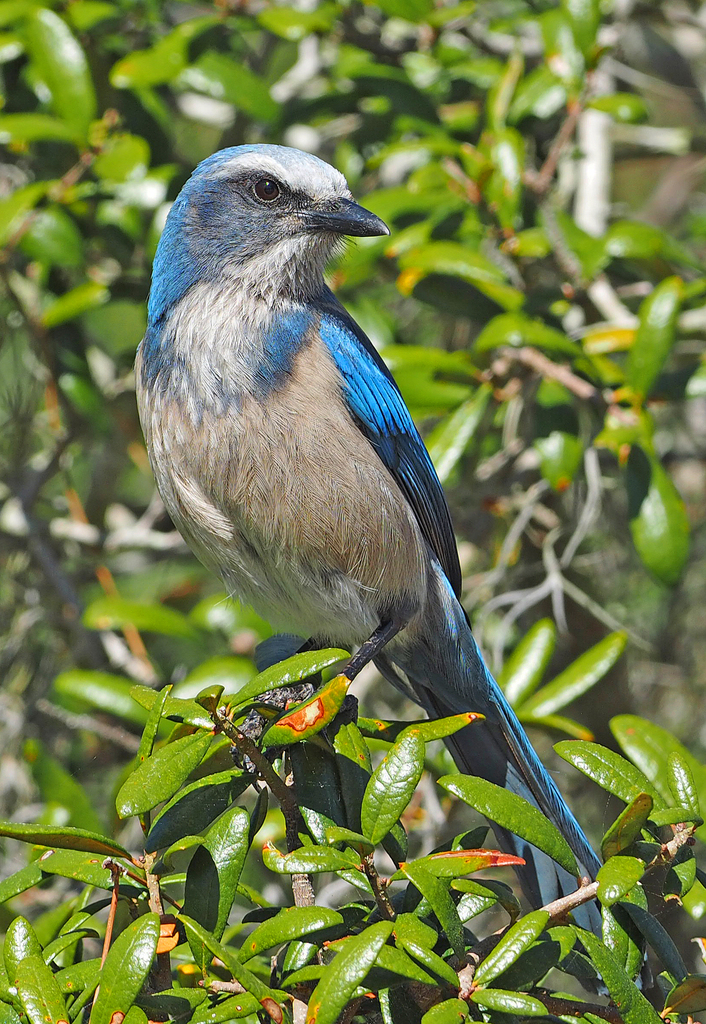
(376, 404)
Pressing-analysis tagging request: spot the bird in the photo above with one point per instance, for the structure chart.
(287, 458)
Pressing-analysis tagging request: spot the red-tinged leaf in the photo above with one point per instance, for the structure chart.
(440, 728)
(454, 863)
(126, 968)
(39, 993)
(512, 812)
(63, 838)
(347, 971)
(310, 717)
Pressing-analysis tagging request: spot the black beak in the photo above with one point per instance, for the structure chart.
(344, 217)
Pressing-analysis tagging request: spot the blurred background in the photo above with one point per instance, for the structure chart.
(540, 300)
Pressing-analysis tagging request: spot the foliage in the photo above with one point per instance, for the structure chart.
(402, 942)
(552, 346)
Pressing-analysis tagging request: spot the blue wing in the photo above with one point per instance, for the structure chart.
(378, 408)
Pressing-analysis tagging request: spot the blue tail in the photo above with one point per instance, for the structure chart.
(443, 669)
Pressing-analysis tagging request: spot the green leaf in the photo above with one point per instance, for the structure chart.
(15, 209)
(114, 613)
(392, 786)
(516, 330)
(655, 334)
(630, 239)
(123, 156)
(577, 679)
(438, 728)
(175, 708)
(617, 877)
(227, 78)
(451, 1011)
(681, 783)
(61, 64)
(436, 892)
(658, 939)
(125, 969)
(560, 456)
(213, 875)
(39, 992)
(162, 62)
(64, 838)
(516, 1003)
(20, 881)
(195, 807)
(627, 827)
(623, 107)
(650, 746)
(630, 1003)
(450, 439)
(523, 671)
(82, 867)
(53, 237)
(20, 942)
(455, 260)
(512, 812)
(101, 690)
(346, 972)
(293, 24)
(688, 997)
(250, 982)
(608, 769)
(658, 520)
(512, 945)
(308, 860)
(37, 128)
(160, 776)
(505, 148)
(290, 923)
(58, 787)
(285, 673)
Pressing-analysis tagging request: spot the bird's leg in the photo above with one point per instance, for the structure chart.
(372, 647)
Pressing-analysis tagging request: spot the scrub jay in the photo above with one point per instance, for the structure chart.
(287, 458)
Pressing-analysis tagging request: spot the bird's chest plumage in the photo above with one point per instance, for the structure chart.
(276, 490)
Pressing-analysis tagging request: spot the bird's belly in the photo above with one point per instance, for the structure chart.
(295, 511)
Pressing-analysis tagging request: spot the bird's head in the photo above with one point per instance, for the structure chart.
(268, 217)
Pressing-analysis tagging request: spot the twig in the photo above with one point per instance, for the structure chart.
(115, 871)
(544, 366)
(569, 1007)
(111, 733)
(379, 889)
(302, 887)
(250, 750)
(541, 180)
(162, 978)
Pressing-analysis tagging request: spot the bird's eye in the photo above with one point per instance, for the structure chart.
(267, 190)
